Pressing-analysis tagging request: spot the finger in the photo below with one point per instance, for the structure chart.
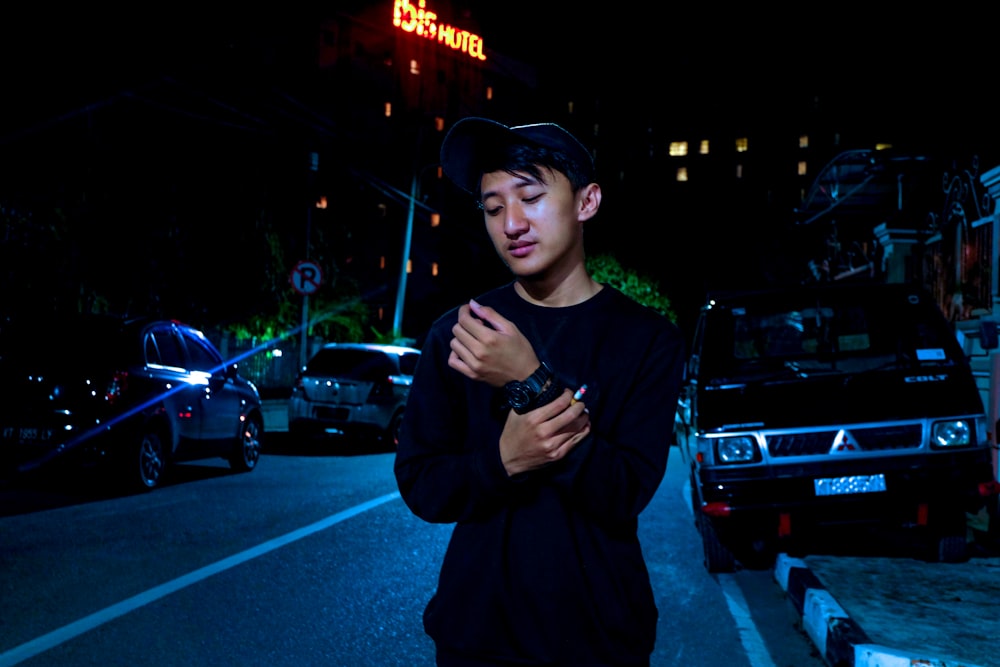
(489, 317)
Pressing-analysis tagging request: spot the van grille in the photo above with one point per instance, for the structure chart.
(882, 438)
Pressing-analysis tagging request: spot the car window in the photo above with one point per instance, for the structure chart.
(202, 357)
(168, 347)
(353, 364)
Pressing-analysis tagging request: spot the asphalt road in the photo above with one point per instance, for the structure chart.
(310, 559)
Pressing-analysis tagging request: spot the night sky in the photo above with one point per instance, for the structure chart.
(930, 73)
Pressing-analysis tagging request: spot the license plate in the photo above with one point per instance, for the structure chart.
(838, 486)
(26, 434)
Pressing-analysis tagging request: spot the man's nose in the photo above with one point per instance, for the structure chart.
(515, 223)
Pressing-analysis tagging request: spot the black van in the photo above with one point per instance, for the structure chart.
(829, 404)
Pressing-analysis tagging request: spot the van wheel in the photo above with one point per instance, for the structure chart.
(718, 558)
(952, 549)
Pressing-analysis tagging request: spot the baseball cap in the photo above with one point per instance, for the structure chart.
(470, 139)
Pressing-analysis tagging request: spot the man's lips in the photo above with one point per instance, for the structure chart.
(520, 249)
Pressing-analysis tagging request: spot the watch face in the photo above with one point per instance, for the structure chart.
(518, 394)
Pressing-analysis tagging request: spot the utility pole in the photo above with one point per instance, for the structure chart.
(304, 345)
(397, 321)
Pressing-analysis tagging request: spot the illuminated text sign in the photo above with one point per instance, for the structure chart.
(418, 20)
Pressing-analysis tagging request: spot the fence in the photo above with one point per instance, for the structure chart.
(271, 365)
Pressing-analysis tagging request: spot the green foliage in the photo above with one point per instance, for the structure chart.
(336, 312)
(645, 290)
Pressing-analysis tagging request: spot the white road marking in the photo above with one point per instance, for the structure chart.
(753, 643)
(56, 637)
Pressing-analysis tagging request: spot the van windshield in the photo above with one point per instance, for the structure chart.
(844, 333)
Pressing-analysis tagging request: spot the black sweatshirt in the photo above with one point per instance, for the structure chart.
(545, 568)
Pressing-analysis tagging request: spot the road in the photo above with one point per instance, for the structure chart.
(312, 558)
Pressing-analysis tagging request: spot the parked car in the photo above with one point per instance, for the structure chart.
(353, 389)
(128, 396)
(830, 405)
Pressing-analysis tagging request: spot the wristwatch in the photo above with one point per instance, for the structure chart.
(520, 395)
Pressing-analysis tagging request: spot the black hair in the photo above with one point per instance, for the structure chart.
(532, 159)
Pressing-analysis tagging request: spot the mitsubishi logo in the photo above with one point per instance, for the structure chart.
(844, 442)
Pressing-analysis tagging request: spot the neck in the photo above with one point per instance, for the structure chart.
(569, 291)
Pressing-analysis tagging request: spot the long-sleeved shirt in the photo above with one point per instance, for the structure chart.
(545, 567)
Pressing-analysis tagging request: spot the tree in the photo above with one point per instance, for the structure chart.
(640, 288)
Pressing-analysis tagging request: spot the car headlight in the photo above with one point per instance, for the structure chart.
(952, 433)
(738, 449)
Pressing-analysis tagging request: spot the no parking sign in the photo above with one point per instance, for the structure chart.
(306, 277)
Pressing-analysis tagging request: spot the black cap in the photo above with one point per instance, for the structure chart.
(469, 138)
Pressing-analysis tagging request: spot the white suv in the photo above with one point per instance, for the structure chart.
(355, 389)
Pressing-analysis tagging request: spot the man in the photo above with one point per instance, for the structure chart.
(545, 483)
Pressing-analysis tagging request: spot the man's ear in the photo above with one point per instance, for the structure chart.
(589, 199)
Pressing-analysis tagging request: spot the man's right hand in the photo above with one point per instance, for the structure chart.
(489, 347)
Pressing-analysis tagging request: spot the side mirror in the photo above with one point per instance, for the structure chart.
(988, 334)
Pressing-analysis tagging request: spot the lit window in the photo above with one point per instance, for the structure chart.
(739, 171)
(489, 92)
(388, 109)
(802, 167)
(381, 312)
(434, 268)
(381, 262)
(409, 266)
(321, 202)
(741, 145)
(435, 219)
(678, 148)
(439, 123)
(414, 67)
(703, 147)
(682, 173)
(882, 147)
(803, 141)
(569, 106)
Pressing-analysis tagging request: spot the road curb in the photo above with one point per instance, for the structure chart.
(841, 641)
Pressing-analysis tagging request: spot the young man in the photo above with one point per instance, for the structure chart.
(543, 479)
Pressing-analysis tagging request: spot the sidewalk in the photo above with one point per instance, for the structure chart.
(897, 612)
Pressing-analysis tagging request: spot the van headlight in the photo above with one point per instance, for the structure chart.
(736, 449)
(951, 433)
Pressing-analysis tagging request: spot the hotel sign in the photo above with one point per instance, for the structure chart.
(419, 20)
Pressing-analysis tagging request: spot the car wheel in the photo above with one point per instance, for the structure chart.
(142, 465)
(718, 557)
(394, 426)
(246, 450)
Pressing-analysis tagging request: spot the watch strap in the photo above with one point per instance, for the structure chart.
(537, 380)
(549, 393)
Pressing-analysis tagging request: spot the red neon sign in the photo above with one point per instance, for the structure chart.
(422, 22)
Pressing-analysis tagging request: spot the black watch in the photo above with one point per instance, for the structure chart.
(521, 394)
